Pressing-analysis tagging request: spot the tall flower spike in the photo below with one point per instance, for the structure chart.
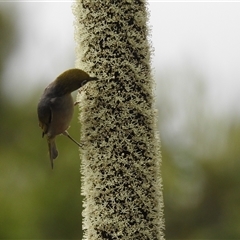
(121, 153)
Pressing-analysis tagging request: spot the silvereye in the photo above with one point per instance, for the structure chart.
(55, 108)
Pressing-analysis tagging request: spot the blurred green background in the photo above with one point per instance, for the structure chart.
(35, 201)
(200, 166)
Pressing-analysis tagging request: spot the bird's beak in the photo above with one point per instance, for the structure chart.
(93, 79)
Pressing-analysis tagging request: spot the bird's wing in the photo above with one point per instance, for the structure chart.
(44, 117)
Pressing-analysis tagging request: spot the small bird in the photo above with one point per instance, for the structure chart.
(55, 108)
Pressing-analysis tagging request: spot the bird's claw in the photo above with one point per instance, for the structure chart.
(76, 103)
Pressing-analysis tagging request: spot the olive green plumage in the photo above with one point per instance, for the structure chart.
(55, 108)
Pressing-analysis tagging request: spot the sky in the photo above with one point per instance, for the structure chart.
(204, 36)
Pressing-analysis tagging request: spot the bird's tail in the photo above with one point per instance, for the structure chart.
(53, 153)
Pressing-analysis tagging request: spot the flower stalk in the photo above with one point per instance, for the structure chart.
(121, 158)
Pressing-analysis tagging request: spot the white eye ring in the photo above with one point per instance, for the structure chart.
(84, 82)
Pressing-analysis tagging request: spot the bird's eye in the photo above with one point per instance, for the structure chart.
(84, 82)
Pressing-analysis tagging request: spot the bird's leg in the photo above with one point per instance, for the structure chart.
(76, 103)
(67, 135)
(79, 92)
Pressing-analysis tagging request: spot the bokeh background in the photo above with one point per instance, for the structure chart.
(197, 74)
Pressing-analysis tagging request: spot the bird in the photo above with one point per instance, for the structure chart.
(55, 107)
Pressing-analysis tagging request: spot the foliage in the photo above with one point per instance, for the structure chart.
(200, 170)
